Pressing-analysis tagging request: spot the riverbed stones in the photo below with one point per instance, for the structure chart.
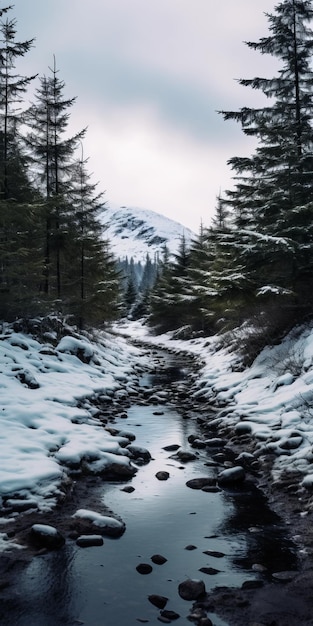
(171, 447)
(45, 536)
(191, 589)
(162, 475)
(158, 601)
(128, 489)
(231, 476)
(184, 456)
(144, 568)
(87, 541)
(170, 615)
(137, 452)
(158, 559)
(201, 482)
(211, 571)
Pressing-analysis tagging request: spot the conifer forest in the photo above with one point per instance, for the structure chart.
(253, 262)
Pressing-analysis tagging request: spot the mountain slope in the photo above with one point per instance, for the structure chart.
(134, 232)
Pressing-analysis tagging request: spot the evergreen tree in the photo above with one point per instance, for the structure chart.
(272, 198)
(20, 266)
(53, 155)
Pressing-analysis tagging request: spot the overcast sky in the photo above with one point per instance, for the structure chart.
(149, 77)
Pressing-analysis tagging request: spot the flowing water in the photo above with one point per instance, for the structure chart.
(100, 586)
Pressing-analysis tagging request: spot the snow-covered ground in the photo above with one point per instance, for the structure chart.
(48, 420)
(44, 432)
(272, 400)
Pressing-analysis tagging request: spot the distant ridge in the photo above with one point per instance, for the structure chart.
(134, 232)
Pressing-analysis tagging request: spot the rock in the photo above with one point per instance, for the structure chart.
(200, 483)
(128, 489)
(45, 536)
(158, 601)
(86, 541)
(184, 456)
(191, 589)
(121, 469)
(137, 452)
(144, 568)
(171, 448)
(158, 559)
(198, 443)
(162, 475)
(127, 434)
(252, 584)
(171, 615)
(209, 570)
(215, 442)
(231, 476)
(191, 547)
(284, 577)
(243, 428)
(217, 555)
(86, 520)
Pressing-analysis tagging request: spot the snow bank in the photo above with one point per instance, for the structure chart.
(272, 400)
(48, 427)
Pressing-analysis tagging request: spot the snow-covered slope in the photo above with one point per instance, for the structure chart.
(134, 232)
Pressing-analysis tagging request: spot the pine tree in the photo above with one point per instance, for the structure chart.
(272, 197)
(20, 266)
(53, 155)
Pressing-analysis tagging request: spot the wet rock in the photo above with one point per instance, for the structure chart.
(45, 536)
(158, 601)
(172, 447)
(191, 589)
(191, 547)
(252, 584)
(86, 521)
(209, 570)
(198, 443)
(144, 568)
(284, 577)
(231, 476)
(215, 442)
(127, 434)
(137, 452)
(86, 541)
(128, 489)
(158, 559)
(170, 615)
(217, 555)
(243, 428)
(162, 475)
(200, 483)
(184, 456)
(121, 470)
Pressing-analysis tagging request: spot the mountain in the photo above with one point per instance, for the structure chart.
(134, 232)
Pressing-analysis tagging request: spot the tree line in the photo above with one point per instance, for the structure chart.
(53, 256)
(255, 261)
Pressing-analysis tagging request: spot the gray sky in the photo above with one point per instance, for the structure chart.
(149, 77)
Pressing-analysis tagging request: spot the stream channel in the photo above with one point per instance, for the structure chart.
(100, 586)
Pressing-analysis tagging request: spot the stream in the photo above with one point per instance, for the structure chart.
(227, 531)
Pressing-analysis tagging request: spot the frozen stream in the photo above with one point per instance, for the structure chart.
(100, 586)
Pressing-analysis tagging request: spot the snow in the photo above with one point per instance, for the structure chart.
(44, 434)
(135, 232)
(49, 422)
(272, 399)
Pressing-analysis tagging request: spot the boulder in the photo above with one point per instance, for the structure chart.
(191, 589)
(231, 476)
(45, 536)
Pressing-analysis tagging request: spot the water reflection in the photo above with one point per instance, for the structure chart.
(100, 586)
(265, 535)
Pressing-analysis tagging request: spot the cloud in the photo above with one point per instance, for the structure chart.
(149, 76)
(142, 162)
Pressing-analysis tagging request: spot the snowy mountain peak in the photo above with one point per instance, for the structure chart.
(134, 232)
